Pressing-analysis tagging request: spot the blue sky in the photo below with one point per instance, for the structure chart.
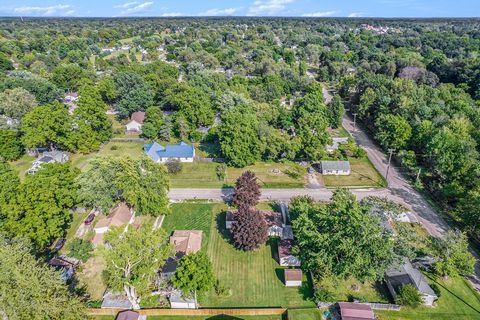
(313, 8)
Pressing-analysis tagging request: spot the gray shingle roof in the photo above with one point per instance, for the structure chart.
(407, 274)
(335, 165)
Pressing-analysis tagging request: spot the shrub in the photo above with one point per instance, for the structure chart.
(174, 166)
(221, 171)
(409, 296)
(80, 249)
(220, 289)
(323, 295)
(114, 147)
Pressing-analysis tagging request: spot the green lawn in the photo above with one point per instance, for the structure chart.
(343, 290)
(23, 164)
(253, 279)
(202, 318)
(458, 300)
(201, 174)
(362, 174)
(304, 314)
(90, 276)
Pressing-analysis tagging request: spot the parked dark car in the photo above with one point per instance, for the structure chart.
(59, 244)
(89, 219)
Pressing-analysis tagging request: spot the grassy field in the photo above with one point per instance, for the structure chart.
(90, 276)
(304, 314)
(23, 164)
(362, 174)
(342, 290)
(458, 300)
(221, 317)
(200, 174)
(253, 279)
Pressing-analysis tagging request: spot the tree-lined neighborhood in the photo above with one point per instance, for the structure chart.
(239, 168)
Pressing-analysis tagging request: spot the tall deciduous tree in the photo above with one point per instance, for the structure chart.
(336, 110)
(454, 256)
(133, 259)
(246, 191)
(11, 147)
(249, 230)
(92, 126)
(393, 131)
(153, 123)
(48, 126)
(141, 183)
(16, 102)
(342, 239)
(29, 289)
(40, 211)
(9, 185)
(194, 274)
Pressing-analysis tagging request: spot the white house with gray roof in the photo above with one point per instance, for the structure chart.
(341, 168)
(401, 275)
(48, 157)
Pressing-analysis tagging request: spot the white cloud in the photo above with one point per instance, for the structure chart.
(172, 14)
(58, 9)
(355, 15)
(137, 8)
(268, 7)
(319, 14)
(69, 12)
(219, 12)
(126, 5)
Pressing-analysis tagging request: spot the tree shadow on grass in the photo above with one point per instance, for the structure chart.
(221, 227)
(223, 317)
(272, 243)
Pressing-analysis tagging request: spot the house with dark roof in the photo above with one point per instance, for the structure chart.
(339, 168)
(46, 158)
(136, 122)
(355, 311)
(401, 275)
(182, 152)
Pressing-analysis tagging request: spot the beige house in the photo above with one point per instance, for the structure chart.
(187, 241)
(121, 215)
(136, 122)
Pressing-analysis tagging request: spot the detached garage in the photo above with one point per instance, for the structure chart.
(293, 277)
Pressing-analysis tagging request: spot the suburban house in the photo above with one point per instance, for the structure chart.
(70, 97)
(185, 242)
(121, 215)
(335, 167)
(182, 152)
(48, 157)
(178, 301)
(285, 256)
(336, 142)
(405, 274)
(127, 315)
(275, 224)
(293, 277)
(355, 311)
(136, 122)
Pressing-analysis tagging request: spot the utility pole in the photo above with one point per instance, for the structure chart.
(354, 121)
(391, 151)
(418, 173)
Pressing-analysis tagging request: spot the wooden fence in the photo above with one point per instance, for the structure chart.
(194, 312)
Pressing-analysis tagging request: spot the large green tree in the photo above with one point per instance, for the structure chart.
(11, 147)
(9, 185)
(454, 255)
(153, 123)
(133, 259)
(194, 274)
(238, 136)
(393, 131)
(48, 126)
(40, 209)
(16, 102)
(29, 289)
(342, 239)
(92, 126)
(141, 183)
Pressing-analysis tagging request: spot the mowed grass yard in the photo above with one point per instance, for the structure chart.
(458, 300)
(220, 317)
(201, 174)
(253, 279)
(362, 174)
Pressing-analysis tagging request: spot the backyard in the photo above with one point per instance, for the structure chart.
(253, 279)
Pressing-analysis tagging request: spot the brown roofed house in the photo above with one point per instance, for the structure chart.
(136, 122)
(127, 315)
(187, 241)
(355, 311)
(138, 116)
(119, 216)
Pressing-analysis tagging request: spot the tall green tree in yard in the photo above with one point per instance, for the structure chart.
(48, 126)
(454, 256)
(9, 185)
(29, 289)
(106, 88)
(133, 259)
(393, 131)
(342, 239)
(16, 102)
(336, 110)
(10, 145)
(194, 274)
(40, 211)
(238, 136)
(142, 183)
(91, 122)
(152, 125)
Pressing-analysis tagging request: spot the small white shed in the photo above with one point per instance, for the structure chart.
(293, 277)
